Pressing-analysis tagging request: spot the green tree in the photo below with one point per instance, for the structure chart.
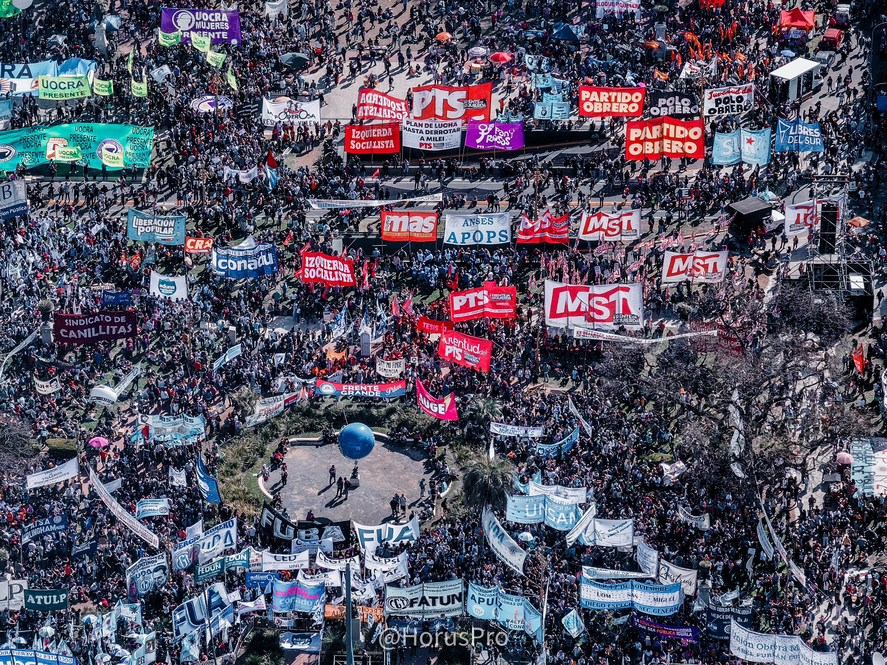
(481, 411)
(487, 484)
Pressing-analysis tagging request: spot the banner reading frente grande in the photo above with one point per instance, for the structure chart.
(377, 390)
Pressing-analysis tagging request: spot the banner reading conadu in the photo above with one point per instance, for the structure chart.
(442, 409)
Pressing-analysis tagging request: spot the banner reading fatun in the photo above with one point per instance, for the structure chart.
(64, 87)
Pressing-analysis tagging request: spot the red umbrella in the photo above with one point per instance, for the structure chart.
(501, 57)
(444, 36)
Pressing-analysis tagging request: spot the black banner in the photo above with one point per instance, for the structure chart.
(673, 104)
(717, 620)
(87, 548)
(279, 526)
(44, 527)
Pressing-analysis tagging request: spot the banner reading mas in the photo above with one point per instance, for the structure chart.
(112, 146)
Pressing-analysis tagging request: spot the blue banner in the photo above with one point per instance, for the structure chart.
(208, 486)
(165, 229)
(561, 516)
(260, 580)
(725, 150)
(653, 599)
(513, 612)
(44, 527)
(882, 103)
(756, 146)
(247, 260)
(526, 509)
(116, 299)
(797, 136)
(297, 597)
(482, 602)
(564, 445)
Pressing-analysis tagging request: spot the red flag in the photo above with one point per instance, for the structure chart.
(288, 239)
(395, 306)
(375, 174)
(453, 284)
(271, 162)
(408, 305)
(305, 247)
(859, 359)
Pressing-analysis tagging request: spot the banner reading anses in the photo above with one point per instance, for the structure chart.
(494, 229)
(111, 146)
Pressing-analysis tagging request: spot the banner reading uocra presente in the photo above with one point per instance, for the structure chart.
(112, 146)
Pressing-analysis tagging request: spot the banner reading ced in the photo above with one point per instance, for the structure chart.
(651, 139)
(610, 102)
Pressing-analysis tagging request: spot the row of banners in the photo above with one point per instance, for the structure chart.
(432, 135)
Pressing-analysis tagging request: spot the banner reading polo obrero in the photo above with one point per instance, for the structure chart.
(681, 105)
(651, 139)
(442, 409)
(610, 102)
(602, 306)
(111, 146)
(546, 229)
(732, 100)
(372, 139)
(697, 267)
(164, 229)
(409, 226)
(286, 110)
(466, 230)
(376, 390)
(611, 228)
(94, 328)
(494, 135)
(441, 102)
(465, 350)
(325, 269)
(375, 105)
(221, 27)
(248, 259)
(487, 301)
(432, 134)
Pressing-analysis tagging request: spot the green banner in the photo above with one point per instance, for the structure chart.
(215, 59)
(102, 87)
(239, 560)
(200, 42)
(63, 87)
(46, 600)
(68, 153)
(210, 570)
(169, 38)
(129, 62)
(139, 88)
(114, 143)
(7, 9)
(232, 80)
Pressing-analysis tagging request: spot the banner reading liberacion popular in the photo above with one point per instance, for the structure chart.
(164, 229)
(109, 146)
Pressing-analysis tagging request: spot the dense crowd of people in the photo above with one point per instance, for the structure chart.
(71, 249)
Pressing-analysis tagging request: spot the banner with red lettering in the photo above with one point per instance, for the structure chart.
(409, 225)
(433, 327)
(374, 105)
(611, 228)
(599, 307)
(465, 350)
(489, 300)
(800, 217)
(550, 229)
(94, 328)
(651, 139)
(198, 245)
(325, 269)
(442, 409)
(698, 267)
(443, 102)
(610, 102)
(372, 139)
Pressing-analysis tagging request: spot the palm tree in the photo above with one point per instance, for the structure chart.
(481, 411)
(487, 484)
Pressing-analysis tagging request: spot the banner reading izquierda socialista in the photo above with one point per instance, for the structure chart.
(108, 146)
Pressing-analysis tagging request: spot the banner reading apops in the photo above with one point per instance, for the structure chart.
(409, 226)
(431, 134)
(442, 409)
(325, 269)
(165, 229)
(465, 350)
(610, 102)
(442, 102)
(376, 390)
(651, 139)
(372, 139)
(93, 328)
(466, 230)
(64, 87)
(102, 145)
(494, 135)
(731, 100)
(220, 27)
(374, 105)
(487, 301)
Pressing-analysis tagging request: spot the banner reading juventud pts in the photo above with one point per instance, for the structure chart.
(465, 350)
(372, 139)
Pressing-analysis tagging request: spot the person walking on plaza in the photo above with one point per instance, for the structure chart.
(332, 474)
(340, 485)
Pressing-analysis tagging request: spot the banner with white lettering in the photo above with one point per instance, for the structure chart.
(120, 513)
(697, 267)
(606, 306)
(650, 599)
(432, 135)
(601, 226)
(426, 601)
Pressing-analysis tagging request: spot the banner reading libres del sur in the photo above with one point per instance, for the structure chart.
(113, 146)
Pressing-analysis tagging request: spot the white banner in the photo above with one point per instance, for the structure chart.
(323, 561)
(370, 537)
(163, 286)
(333, 204)
(647, 558)
(606, 306)
(118, 511)
(565, 494)
(502, 544)
(275, 9)
(618, 7)
(592, 573)
(469, 230)
(390, 368)
(778, 649)
(610, 533)
(61, 473)
(272, 561)
(698, 266)
(13, 197)
(47, 387)
(431, 134)
(286, 110)
(701, 522)
(177, 477)
(672, 574)
(516, 430)
(800, 218)
(732, 100)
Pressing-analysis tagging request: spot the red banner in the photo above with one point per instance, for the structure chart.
(489, 300)
(325, 269)
(465, 350)
(442, 409)
(94, 328)
(651, 139)
(198, 245)
(555, 230)
(433, 327)
(443, 102)
(374, 105)
(859, 359)
(610, 102)
(372, 139)
(410, 226)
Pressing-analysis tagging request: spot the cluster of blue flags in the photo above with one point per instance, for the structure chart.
(753, 146)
